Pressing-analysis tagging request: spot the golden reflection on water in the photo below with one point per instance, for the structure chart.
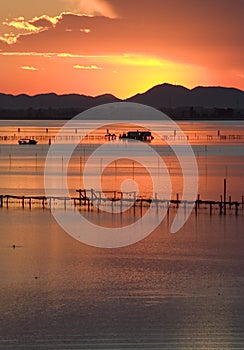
(182, 291)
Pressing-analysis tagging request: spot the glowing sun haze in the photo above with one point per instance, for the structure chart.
(121, 47)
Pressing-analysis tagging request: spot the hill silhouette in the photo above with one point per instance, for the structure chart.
(54, 101)
(175, 100)
(173, 96)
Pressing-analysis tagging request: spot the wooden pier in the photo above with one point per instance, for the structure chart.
(93, 200)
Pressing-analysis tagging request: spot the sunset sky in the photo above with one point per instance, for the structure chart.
(121, 47)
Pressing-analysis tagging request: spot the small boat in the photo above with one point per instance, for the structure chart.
(138, 135)
(27, 142)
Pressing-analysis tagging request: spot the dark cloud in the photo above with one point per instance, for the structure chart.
(41, 22)
(207, 33)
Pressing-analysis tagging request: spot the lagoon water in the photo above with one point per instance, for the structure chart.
(169, 291)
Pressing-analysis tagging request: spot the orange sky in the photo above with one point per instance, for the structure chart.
(122, 47)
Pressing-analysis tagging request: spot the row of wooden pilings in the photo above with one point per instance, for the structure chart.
(88, 202)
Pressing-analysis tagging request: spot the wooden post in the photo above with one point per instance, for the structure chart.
(198, 200)
(220, 205)
(196, 207)
(23, 202)
(156, 201)
(65, 204)
(236, 209)
(1, 201)
(100, 198)
(80, 197)
(211, 207)
(92, 196)
(7, 201)
(98, 206)
(224, 196)
(121, 203)
(141, 206)
(229, 202)
(242, 202)
(177, 200)
(30, 202)
(43, 203)
(134, 206)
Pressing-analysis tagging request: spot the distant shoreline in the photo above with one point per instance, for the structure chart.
(178, 114)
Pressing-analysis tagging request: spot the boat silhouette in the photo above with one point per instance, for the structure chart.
(27, 142)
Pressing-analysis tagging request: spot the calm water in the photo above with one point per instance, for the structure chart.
(182, 291)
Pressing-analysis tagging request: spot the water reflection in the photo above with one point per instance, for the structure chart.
(168, 291)
(182, 291)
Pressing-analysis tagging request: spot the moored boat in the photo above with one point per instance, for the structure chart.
(27, 142)
(138, 135)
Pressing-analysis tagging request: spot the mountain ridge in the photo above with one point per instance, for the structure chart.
(173, 96)
(160, 96)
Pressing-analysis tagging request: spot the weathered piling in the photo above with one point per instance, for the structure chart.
(224, 196)
(210, 208)
(196, 207)
(198, 200)
(230, 202)
(134, 206)
(236, 208)
(141, 206)
(221, 205)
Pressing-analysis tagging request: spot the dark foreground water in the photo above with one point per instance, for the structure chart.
(182, 291)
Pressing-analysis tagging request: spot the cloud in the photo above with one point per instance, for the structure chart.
(35, 25)
(92, 67)
(117, 60)
(20, 23)
(32, 54)
(86, 30)
(71, 55)
(93, 7)
(151, 35)
(9, 38)
(29, 68)
(49, 54)
(138, 60)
